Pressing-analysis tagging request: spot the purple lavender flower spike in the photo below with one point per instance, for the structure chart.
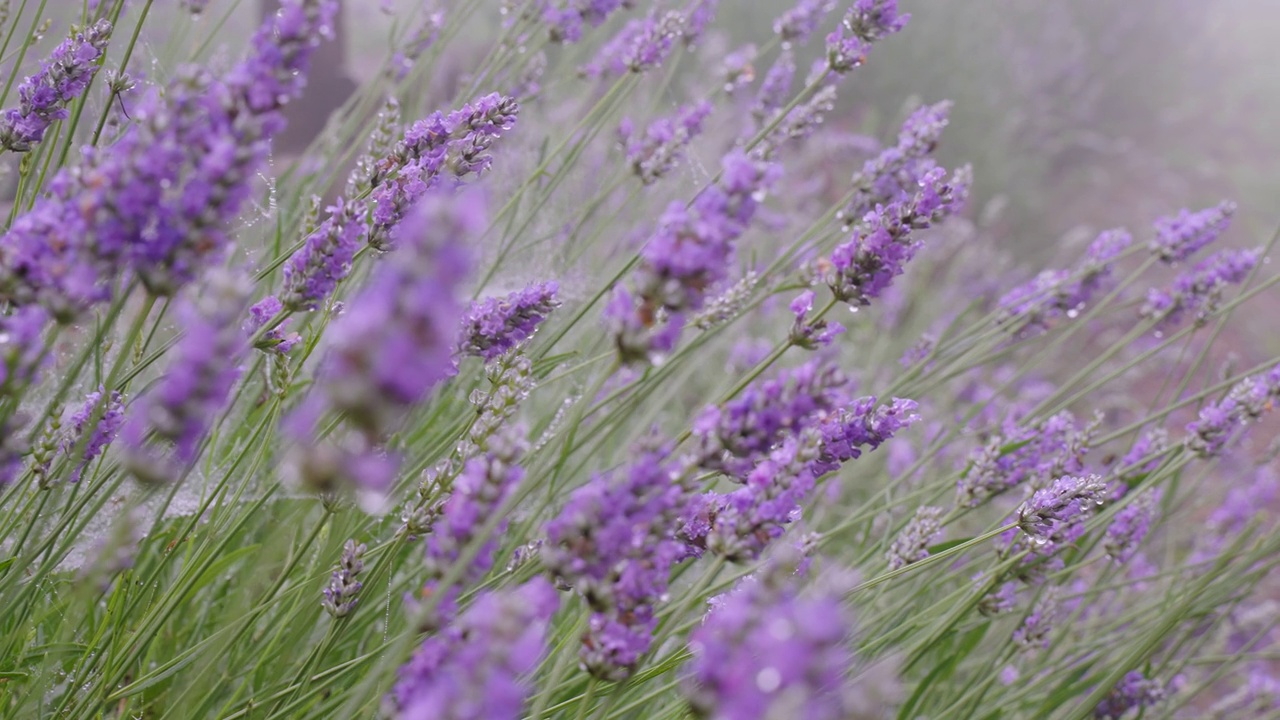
(494, 325)
(662, 146)
(1059, 504)
(340, 595)
(863, 267)
(811, 334)
(394, 341)
(565, 18)
(22, 348)
(867, 22)
(101, 434)
(1034, 454)
(312, 273)
(769, 649)
(1218, 422)
(798, 23)
(1130, 526)
(639, 46)
(478, 490)
(1180, 236)
(1033, 634)
(863, 424)
(895, 174)
(1199, 292)
(475, 668)
(912, 544)
(62, 78)
(181, 408)
(750, 518)
(275, 340)
(1134, 691)
(614, 544)
(698, 17)
(1053, 294)
(775, 88)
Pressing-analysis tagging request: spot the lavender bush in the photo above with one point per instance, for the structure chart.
(611, 382)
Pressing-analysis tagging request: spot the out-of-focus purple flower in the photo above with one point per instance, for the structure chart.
(660, 149)
(862, 425)
(22, 348)
(863, 267)
(495, 325)
(1033, 634)
(62, 78)
(1133, 692)
(811, 334)
(873, 20)
(735, 437)
(109, 423)
(1033, 454)
(728, 304)
(798, 23)
(1000, 601)
(565, 18)
(275, 340)
(1053, 294)
(895, 173)
(485, 481)
(775, 87)
(1199, 291)
(1178, 237)
(912, 544)
(476, 668)
(395, 340)
(340, 595)
(1248, 400)
(158, 201)
(182, 406)
(639, 46)
(688, 254)
(1130, 526)
(614, 544)
(1060, 504)
(738, 68)
(697, 18)
(418, 42)
(1142, 458)
(769, 649)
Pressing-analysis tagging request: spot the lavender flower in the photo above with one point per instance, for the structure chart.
(485, 482)
(748, 519)
(1130, 526)
(394, 341)
(863, 267)
(1178, 237)
(735, 437)
(1033, 633)
(769, 649)
(1033, 454)
(728, 305)
(896, 172)
(181, 408)
(495, 325)
(340, 594)
(1133, 692)
(474, 669)
(912, 544)
(613, 543)
(1248, 400)
(1053, 294)
(1199, 291)
(811, 334)
(663, 144)
(863, 424)
(312, 273)
(1059, 504)
(22, 349)
(109, 423)
(62, 78)
(873, 20)
(798, 23)
(999, 602)
(698, 17)
(275, 340)
(775, 88)
(639, 46)
(565, 18)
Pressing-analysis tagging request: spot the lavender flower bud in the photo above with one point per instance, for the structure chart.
(1059, 504)
(775, 87)
(1130, 526)
(663, 144)
(798, 23)
(1200, 291)
(62, 78)
(494, 325)
(1180, 236)
(912, 544)
(340, 594)
(101, 435)
(728, 304)
(1033, 634)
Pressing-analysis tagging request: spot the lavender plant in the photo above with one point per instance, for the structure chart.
(582, 397)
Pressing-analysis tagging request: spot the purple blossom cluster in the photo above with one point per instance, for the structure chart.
(1134, 692)
(640, 46)
(205, 364)
(1130, 526)
(896, 172)
(1062, 503)
(1180, 236)
(494, 325)
(687, 255)
(613, 543)
(863, 267)
(476, 667)
(110, 420)
(912, 543)
(22, 348)
(659, 150)
(807, 333)
(1218, 422)
(157, 202)
(340, 595)
(866, 22)
(44, 97)
(565, 18)
(799, 23)
(770, 649)
(1033, 307)
(1032, 454)
(1199, 291)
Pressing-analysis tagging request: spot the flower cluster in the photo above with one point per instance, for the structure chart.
(1062, 503)
(1199, 291)
(1180, 236)
(62, 78)
(912, 544)
(340, 594)
(494, 325)
(1034, 306)
(659, 150)
(1208, 435)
